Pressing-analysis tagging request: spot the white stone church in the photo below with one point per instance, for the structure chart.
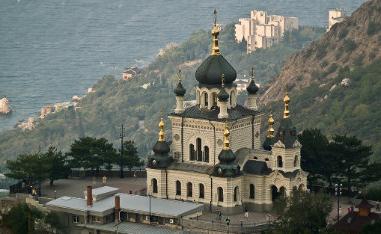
(216, 156)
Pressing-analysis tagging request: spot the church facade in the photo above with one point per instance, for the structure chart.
(216, 156)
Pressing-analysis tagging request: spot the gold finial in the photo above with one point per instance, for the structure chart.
(215, 31)
(161, 132)
(286, 100)
(270, 132)
(226, 137)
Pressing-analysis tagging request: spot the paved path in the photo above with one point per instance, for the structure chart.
(75, 187)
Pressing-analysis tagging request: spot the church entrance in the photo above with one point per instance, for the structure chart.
(276, 194)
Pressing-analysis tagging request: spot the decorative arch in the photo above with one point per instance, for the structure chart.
(206, 99)
(206, 154)
(252, 191)
(178, 187)
(301, 187)
(279, 161)
(192, 152)
(198, 149)
(154, 185)
(236, 193)
(274, 193)
(282, 192)
(189, 189)
(220, 194)
(201, 190)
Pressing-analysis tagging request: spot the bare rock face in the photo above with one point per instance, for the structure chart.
(5, 108)
(355, 41)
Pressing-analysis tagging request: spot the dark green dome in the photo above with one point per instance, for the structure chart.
(161, 147)
(226, 156)
(179, 90)
(252, 88)
(211, 69)
(268, 143)
(286, 133)
(223, 95)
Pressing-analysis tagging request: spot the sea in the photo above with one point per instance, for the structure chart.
(51, 50)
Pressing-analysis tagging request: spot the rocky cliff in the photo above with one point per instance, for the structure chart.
(354, 42)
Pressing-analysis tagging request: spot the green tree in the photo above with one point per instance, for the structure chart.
(130, 156)
(29, 167)
(372, 228)
(92, 153)
(21, 219)
(316, 157)
(353, 158)
(305, 213)
(56, 165)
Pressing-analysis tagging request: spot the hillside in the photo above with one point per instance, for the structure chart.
(335, 82)
(117, 102)
(354, 42)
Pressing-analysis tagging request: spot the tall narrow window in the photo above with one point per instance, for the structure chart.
(279, 161)
(206, 99)
(201, 191)
(198, 148)
(214, 98)
(236, 193)
(252, 191)
(189, 189)
(206, 154)
(220, 194)
(154, 185)
(296, 161)
(178, 188)
(191, 152)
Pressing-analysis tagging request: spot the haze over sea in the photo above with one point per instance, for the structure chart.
(52, 50)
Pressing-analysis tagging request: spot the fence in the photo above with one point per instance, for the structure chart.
(192, 224)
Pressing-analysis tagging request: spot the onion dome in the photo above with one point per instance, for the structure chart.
(252, 88)
(211, 69)
(223, 96)
(179, 90)
(227, 166)
(286, 132)
(161, 149)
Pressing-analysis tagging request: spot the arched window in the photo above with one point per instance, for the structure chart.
(154, 185)
(282, 191)
(178, 188)
(191, 152)
(279, 161)
(201, 191)
(236, 193)
(198, 149)
(189, 189)
(206, 99)
(296, 161)
(220, 194)
(252, 191)
(231, 98)
(214, 98)
(206, 154)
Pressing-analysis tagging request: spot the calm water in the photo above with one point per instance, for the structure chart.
(52, 50)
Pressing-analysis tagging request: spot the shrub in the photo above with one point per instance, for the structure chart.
(373, 28)
(374, 194)
(349, 45)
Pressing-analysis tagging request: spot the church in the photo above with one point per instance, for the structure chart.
(215, 156)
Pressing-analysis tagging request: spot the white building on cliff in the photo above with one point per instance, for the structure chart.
(262, 30)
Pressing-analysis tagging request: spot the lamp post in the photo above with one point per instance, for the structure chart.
(149, 197)
(122, 135)
(338, 192)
